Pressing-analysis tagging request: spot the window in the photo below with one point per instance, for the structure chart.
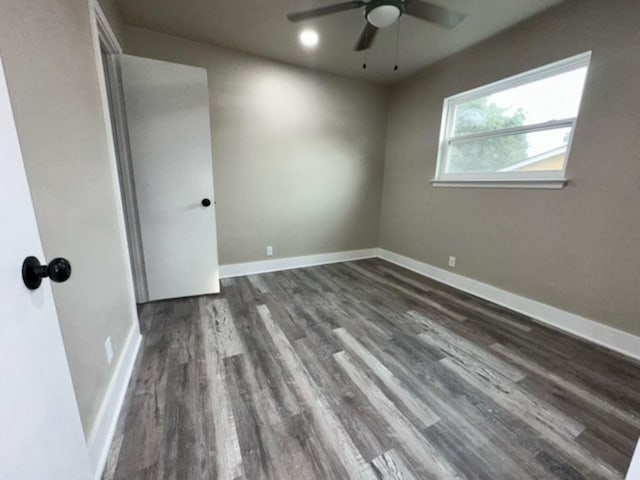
(513, 133)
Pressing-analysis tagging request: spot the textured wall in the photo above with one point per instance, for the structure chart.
(298, 156)
(577, 248)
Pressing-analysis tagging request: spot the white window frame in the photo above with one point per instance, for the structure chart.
(540, 179)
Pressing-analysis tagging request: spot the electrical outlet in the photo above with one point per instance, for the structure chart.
(452, 262)
(108, 347)
(269, 251)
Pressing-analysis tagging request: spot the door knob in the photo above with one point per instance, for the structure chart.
(58, 270)
(206, 202)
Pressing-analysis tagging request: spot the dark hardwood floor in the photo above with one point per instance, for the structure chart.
(366, 370)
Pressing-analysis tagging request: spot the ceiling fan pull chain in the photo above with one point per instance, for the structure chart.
(395, 67)
(364, 52)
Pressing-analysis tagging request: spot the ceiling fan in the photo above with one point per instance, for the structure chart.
(383, 13)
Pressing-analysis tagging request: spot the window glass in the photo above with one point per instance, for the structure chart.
(535, 151)
(553, 98)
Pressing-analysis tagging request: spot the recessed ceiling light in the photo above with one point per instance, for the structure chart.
(309, 38)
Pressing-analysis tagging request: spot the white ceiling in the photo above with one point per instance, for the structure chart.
(260, 27)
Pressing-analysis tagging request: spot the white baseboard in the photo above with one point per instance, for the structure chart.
(104, 428)
(277, 264)
(590, 330)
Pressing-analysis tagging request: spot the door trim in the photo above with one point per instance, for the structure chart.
(104, 34)
(102, 431)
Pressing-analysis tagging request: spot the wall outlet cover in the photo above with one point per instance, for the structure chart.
(452, 262)
(269, 251)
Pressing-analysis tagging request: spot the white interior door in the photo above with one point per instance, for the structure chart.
(40, 430)
(170, 139)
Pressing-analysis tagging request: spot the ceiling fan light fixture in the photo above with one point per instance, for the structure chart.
(383, 15)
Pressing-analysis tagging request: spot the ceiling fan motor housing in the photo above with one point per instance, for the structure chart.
(383, 13)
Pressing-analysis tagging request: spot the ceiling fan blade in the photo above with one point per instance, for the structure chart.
(434, 13)
(321, 11)
(365, 40)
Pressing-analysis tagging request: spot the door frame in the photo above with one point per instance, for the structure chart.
(110, 85)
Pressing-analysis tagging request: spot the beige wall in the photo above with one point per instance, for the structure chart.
(577, 248)
(298, 155)
(47, 50)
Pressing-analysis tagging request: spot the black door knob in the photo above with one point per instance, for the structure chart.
(58, 270)
(206, 202)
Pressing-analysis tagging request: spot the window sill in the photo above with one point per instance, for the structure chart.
(544, 184)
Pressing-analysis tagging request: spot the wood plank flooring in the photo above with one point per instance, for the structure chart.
(364, 370)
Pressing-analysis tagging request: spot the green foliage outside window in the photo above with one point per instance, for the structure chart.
(487, 154)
